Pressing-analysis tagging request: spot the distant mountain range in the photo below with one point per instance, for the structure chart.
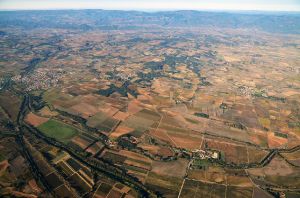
(277, 22)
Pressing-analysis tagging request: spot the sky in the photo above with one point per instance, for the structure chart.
(261, 5)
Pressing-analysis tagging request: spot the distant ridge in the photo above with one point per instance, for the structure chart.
(276, 22)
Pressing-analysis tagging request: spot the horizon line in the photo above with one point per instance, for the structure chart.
(155, 10)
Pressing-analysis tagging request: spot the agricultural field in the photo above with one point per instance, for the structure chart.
(13, 166)
(235, 152)
(35, 120)
(167, 185)
(113, 190)
(58, 130)
(194, 188)
(293, 157)
(4, 119)
(278, 172)
(10, 104)
(102, 122)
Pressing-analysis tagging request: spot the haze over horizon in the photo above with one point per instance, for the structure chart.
(156, 5)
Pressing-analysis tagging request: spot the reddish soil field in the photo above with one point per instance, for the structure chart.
(259, 193)
(186, 141)
(277, 167)
(121, 130)
(21, 194)
(141, 177)
(242, 181)
(162, 135)
(95, 148)
(150, 148)
(165, 152)
(35, 120)
(80, 142)
(3, 166)
(33, 185)
(293, 158)
(133, 107)
(137, 164)
(196, 174)
(135, 156)
(256, 155)
(259, 138)
(276, 142)
(233, 152)
(174, 168)
(84, 109)
(114, 194)
(121, 115)
(108, 109)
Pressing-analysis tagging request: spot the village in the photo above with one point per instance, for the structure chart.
(40, 79)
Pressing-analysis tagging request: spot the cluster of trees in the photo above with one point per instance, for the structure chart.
(200, 114)
(123, 90)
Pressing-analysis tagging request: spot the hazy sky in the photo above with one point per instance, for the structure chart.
(274, 5)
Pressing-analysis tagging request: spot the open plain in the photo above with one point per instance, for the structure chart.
(135, 104)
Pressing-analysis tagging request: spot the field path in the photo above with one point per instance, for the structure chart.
(247, 154)
(181, 187)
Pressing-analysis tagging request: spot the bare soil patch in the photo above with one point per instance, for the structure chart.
(173, 168)
(35, 120)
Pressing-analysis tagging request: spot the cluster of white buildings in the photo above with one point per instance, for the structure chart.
(248, 91)
(205, 154)
(39, 79)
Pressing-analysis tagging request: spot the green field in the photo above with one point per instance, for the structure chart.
(2, 157)
(58, 130)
